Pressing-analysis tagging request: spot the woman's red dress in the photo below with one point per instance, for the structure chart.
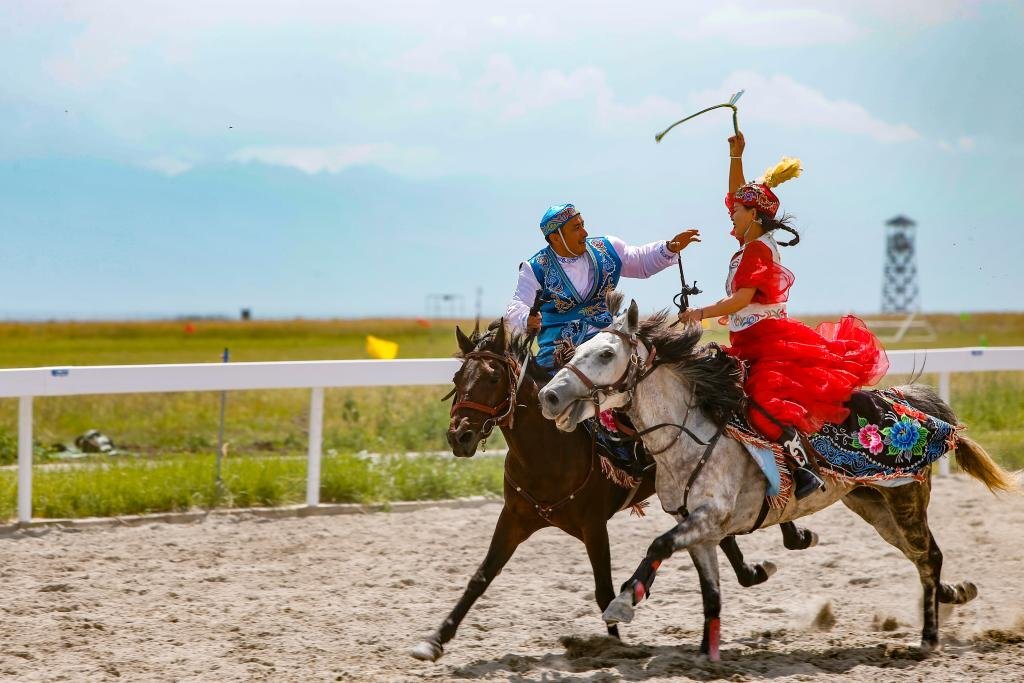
(800, 376)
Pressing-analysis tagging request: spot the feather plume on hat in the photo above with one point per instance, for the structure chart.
(787, 169)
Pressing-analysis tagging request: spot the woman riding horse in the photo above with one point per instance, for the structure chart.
(798, 378)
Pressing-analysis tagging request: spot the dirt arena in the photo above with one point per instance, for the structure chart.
(343, 598)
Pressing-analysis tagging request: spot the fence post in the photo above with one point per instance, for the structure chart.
(316, 436)
(944, 395)
(25, 459)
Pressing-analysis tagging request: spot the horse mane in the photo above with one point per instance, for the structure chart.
(715, 378)
(518, 345)
(613, 300)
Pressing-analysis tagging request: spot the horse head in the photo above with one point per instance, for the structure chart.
(597, 377)
(484, 388)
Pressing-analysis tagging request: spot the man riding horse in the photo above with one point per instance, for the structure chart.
(573, 274)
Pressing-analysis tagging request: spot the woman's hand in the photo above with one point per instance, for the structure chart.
(736, 145)
(682, 240)
(691, 315)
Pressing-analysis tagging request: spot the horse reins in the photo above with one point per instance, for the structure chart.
(636, 371)
(512, 367)
(506, 408)
(633, 375)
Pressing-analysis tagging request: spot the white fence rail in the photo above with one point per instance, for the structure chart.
(25, 384)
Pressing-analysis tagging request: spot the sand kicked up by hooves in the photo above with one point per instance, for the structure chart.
(345, 598)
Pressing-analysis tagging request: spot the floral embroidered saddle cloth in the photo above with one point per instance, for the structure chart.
(884, 439)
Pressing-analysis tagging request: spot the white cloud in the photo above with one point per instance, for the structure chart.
(780, 27)
(513, 93)
(781, 100)
(311, 160)
(915, 11)
(964, 143)
(168, 165)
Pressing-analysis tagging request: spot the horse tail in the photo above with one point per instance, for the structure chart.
(970, 456)
(975, 461)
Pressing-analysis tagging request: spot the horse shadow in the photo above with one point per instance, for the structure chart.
(591, 659)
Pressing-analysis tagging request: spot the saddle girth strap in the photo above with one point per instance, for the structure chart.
(683, 510)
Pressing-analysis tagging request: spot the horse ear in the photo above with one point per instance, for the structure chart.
(632, 317)
(464, 344)
(500, 338)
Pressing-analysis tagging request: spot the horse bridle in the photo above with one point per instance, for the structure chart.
(635, 372)
(506, 408)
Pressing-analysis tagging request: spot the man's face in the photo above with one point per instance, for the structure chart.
(575, 235)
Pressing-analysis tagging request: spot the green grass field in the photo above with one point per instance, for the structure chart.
(171, 437)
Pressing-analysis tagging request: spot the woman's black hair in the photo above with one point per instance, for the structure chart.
(770, 223)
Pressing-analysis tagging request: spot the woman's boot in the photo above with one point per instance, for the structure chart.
(805, 480)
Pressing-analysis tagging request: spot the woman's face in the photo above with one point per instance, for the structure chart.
(742, 219)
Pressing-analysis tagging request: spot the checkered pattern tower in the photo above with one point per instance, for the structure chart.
(899, 280)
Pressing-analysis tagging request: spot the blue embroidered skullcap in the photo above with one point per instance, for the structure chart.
(557, 216)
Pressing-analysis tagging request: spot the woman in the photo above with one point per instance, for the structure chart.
(798, 378)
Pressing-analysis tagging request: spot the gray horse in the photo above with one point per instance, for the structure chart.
(710, 484)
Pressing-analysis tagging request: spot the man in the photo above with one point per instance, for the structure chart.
(574, 272)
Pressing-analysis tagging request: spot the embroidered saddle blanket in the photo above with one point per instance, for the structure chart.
(885, 441)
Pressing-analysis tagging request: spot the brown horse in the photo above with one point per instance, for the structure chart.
(552, 478)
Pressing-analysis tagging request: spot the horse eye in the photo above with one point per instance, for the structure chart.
(607, 355)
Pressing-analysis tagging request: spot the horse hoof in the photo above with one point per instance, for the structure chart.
(427, 651)
(620, 610)
(930, 648)
(769, 568)
(970, 591)
(814, 539)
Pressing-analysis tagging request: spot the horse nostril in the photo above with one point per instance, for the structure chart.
(465, 438)
(551, 398)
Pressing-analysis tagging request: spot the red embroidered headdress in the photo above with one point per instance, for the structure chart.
(758, 194)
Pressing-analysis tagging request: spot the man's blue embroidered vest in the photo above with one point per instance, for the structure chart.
(571, 317)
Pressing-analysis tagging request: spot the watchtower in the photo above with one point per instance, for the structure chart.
(899, 279)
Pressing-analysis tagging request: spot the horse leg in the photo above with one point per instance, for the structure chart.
(596, 540)
(797, 538)
(900, 517)
(510, 531)
(747, 574)
(706, 562)
(696, 526)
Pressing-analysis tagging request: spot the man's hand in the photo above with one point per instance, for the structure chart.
(680, 241)
(736, 145)
(533, 323)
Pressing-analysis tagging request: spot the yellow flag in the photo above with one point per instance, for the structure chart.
(381, 348)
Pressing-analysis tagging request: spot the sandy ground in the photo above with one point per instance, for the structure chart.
(343, 598)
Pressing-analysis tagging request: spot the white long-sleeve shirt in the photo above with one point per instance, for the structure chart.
(637, 262)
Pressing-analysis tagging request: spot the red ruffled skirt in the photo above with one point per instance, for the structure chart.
(803, 377)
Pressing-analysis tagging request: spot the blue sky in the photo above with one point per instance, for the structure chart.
(347, 159)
